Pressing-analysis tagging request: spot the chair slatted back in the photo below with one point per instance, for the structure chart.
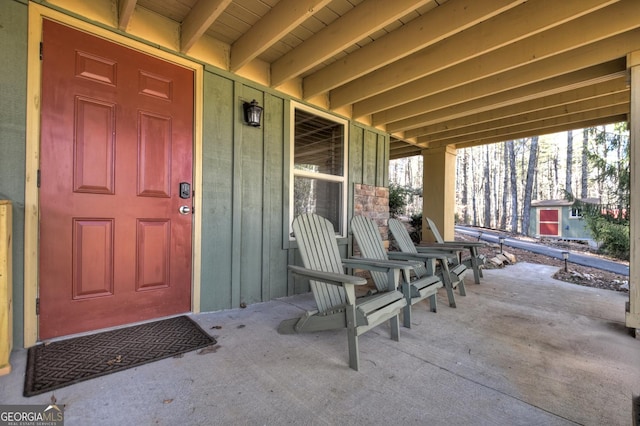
(318, 247)
(434, 230)
(370, 243)
(405, 242)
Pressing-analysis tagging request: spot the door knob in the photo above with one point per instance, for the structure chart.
(184, 209)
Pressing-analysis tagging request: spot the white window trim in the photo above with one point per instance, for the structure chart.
(304, 173)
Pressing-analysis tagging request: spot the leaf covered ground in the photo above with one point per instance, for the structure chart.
(576, 274)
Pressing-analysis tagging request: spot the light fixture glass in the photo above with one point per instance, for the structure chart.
(252, 113)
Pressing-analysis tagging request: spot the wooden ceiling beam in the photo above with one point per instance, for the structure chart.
(363, 20)
(426, 30)
(603, 52)
(529, 19)
(621, 98)
(406, 151)
(278, 22)
(442, 123)
(537, 127)
(513, 58)
(197, 22)
(125, 12)
(582, 78)
(600, 121)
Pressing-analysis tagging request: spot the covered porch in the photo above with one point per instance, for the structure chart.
(402, 78)
(520, 349)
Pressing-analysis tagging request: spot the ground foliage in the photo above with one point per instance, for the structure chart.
(575, 274)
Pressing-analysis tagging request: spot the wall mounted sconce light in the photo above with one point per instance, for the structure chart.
(565, 256)
(501, 239)
(252, 113)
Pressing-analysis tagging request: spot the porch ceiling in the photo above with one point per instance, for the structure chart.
(431, 72)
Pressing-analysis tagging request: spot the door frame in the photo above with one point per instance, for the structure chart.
(37, 13)
(539, 210)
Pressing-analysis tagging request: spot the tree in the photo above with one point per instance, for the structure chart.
(474, 192)
(610, 159)
(465, 190)
(531, 171)
(585, 165)
(514, 186)
(567, 185)
(487, 189)
(505, 185)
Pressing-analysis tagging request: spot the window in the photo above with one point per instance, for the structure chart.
(319, 166)
(576, 212)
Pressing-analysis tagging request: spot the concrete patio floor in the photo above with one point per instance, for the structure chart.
(520, 349)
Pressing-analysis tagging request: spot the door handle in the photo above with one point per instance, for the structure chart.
(184, 209)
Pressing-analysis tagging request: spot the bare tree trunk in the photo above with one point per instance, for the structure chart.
(556, 175)
(585, 164)
(531, 170)
(487, 189)
(495, 176)
(514, 186)
(465, 189)
(505, 184)
(601, 138)
(474, 192)
(569, 178)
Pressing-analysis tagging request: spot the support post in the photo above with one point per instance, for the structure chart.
(6, 284)
(633, 308)
(439, 191)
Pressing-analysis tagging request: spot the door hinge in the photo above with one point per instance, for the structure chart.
(40, 50)
(38, 306)
(38, 178)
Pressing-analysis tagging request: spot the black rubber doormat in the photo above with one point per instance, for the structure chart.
(65, 362)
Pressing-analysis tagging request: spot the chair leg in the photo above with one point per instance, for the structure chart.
(461, 288)
(476, 269)
(354, 354)
(433, 303)
(446, 278)
(352, 335)
(406, 315)
(394, 323)
(406, 311)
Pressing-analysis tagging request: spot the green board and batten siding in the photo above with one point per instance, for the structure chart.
(13, 123)
(245, 245)
(245, 180)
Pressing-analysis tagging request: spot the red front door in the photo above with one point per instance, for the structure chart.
(116, 144)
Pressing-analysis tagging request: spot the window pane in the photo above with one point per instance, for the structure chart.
(320, 197)
(319, 144)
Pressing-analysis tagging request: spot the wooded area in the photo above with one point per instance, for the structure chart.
(496, 183)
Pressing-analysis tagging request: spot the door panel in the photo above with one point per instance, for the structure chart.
(549, 222)
(116, 141)
(549, 229)
(549, 215)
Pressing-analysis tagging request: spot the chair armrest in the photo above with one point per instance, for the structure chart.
(379, 264)
(417, 256)
(467, 244)
(440, 246)
(327, 277)
(451, 251)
